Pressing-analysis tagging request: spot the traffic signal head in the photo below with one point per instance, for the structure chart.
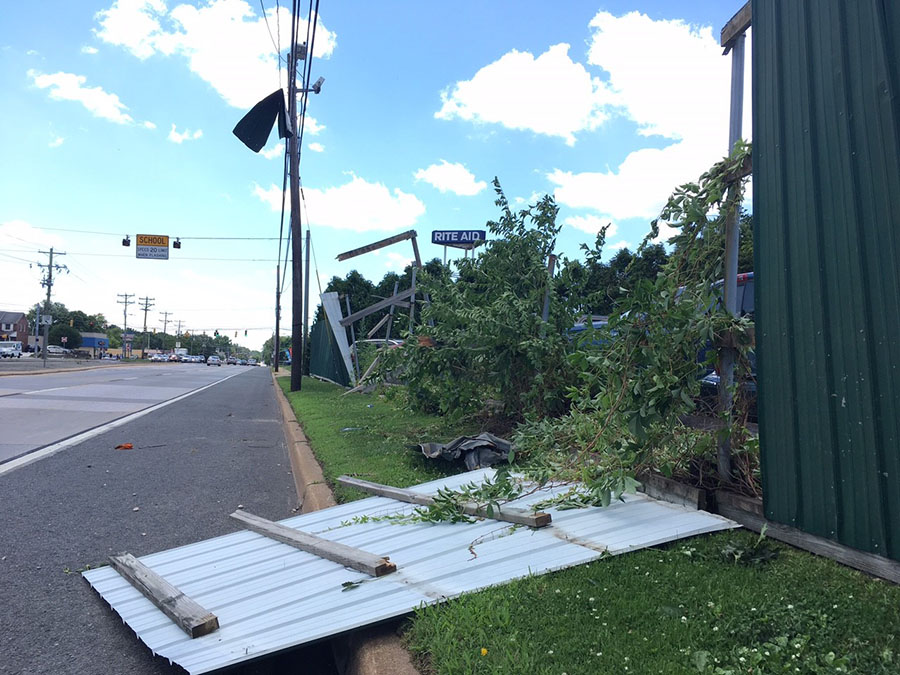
(245, 332)
(216, 333)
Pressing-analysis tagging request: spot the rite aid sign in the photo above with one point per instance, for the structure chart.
(458, 238)
(154, 246)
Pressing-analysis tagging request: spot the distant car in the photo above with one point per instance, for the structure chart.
(173, 358)
(57, 350)
(158, 358)
(252, 362)
(231, 361)
(213, 361)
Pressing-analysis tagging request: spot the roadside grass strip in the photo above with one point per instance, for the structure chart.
(369, 437)
(722, 604)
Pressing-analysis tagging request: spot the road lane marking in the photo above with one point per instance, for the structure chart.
(49, 450)
(41, 391)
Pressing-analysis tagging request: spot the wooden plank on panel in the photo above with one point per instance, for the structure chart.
(190, 616)
(387, 302)
(409, 234)
(378, 325)
(737, 25)
(374, 565)
(506, 514)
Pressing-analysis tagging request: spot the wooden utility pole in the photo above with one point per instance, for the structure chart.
(166, 321)
(296, 233)
(147, 304)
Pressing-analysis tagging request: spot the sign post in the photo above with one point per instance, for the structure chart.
(152, 246)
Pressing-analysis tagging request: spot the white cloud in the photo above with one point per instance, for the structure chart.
(549, 95)
(592, 224)
(186, 135)
(70, 87)
(448, 177)
(397, 262)
(619, 245)
(671, 79)
(358, 206)
(273, 153)
(87, 49)
(56, 142)
(242, 74)
(312, 127)
(316, 147)
(149, 125)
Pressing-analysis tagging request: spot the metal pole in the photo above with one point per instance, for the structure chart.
(353, 338)
(276, 339)
(296, 234)
(304, 362)
(732, 242)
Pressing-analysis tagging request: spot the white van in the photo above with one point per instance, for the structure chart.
(11, 350)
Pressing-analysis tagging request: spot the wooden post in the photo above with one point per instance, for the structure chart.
(374, 565)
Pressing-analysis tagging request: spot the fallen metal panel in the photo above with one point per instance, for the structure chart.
(270, 597)
(332, 305)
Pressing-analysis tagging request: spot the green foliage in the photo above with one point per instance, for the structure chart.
(633, 391)
(482, 337)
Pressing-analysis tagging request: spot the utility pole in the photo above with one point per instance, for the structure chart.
(276, 339)
(178, 330)
(126, 300)
(166, 321)
(48, 282)
(306, 305)
(48, 279)
(296, 233)
(146, 307)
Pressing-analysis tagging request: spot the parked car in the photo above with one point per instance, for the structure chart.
(11, 350)
(231, 361)
(213, 361)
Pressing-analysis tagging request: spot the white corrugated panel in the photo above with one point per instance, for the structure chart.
(269, 596)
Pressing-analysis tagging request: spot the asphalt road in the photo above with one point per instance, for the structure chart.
(193, 463)
(37, 410)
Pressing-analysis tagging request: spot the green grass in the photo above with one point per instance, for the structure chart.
(685, 608)
(368, 436)
(680, 609)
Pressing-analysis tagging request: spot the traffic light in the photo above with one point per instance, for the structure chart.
(245, 332)
(216, 333)
(235, 333)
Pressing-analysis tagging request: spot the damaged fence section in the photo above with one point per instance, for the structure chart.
(269, 596)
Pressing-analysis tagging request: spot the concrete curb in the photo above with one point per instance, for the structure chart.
(372, 651)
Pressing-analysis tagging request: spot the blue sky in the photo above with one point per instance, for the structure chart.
(117, 119)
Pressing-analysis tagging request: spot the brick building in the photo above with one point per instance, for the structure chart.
(13, 326)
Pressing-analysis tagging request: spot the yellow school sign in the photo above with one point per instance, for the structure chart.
(154, 246)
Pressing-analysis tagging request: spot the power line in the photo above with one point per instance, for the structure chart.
(119, 234)
(125, 255)
(166, 320)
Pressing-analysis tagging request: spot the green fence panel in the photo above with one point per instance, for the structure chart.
(324, 358)
(826, 202)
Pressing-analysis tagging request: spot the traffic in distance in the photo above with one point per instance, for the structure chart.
(212, 360)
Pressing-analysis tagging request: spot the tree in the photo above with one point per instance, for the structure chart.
(59, 331)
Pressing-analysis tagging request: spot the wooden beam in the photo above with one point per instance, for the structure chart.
(506, 514)
(416, 252)
(378, 306)
(374, 565)
(403, 236)
(668, 490)
(190, 616)
(867, 562)
(736, 26)
(378, 325)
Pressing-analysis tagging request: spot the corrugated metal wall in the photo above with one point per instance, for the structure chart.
(324, 358)
(826, 146)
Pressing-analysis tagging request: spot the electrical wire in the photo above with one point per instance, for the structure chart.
(119, 234)
(125, 255)
(272, 38)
